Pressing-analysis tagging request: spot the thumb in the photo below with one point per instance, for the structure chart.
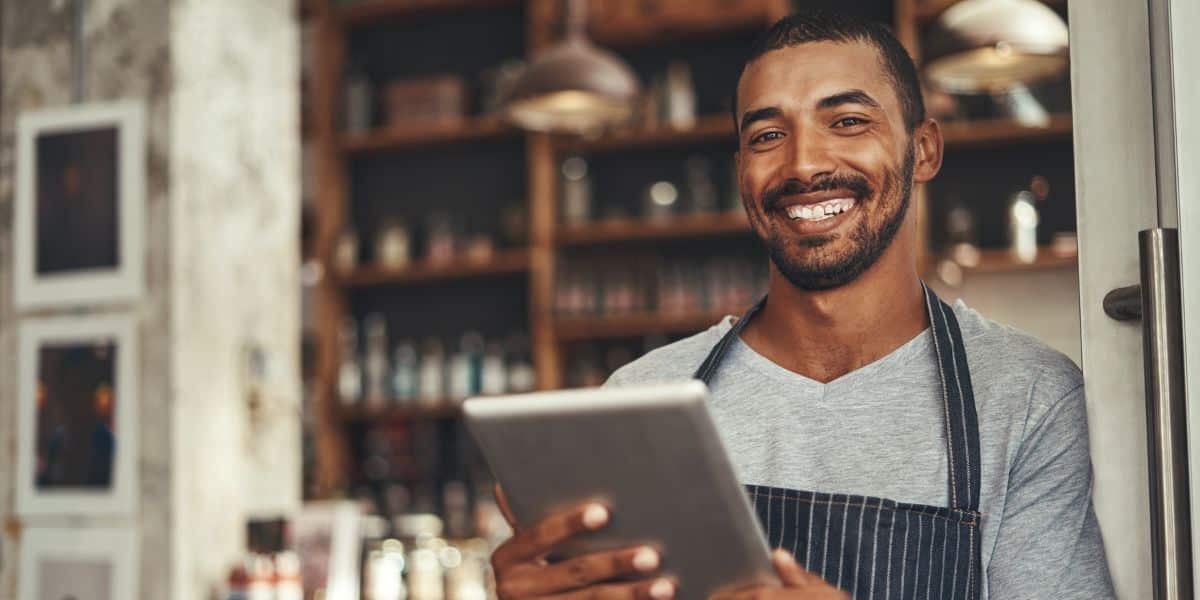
(791, 574)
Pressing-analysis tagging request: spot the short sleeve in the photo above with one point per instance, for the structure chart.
(1049, 543)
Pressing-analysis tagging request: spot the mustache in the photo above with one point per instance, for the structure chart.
(792, 187)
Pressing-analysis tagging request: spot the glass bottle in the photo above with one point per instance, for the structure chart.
(521, 377)
(432, 382)
(577, 191)
(681, 96)
(349, 381)
(701, 190)
(1022, 227)
(493, 378)
(376, 363)
(404, 373)
(358, 100)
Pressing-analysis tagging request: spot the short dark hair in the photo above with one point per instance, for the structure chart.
(811, 26)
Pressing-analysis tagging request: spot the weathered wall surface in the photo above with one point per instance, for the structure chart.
(235, 198)
(126, 55)
(219, 81)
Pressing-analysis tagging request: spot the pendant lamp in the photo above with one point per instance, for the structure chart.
(574, 86)
(1000, 46)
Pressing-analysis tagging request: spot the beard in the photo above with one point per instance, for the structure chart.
(799, 260)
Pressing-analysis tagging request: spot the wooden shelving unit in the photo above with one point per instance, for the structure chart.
(473, 130)
(642, 34)
(719, 128)
(990, 134)
(551, 336)
(501, 263)
(641, 230)
(708, 128)
(371, 11)
(1003, 261)
(576, 329)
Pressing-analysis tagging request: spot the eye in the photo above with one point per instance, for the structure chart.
(849, 122)
(766, 136)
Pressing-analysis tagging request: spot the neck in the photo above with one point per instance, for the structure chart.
(827, 333)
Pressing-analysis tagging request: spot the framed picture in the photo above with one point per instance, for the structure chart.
(80, 205)
(327, 539)
(78, 564)
(77, 416)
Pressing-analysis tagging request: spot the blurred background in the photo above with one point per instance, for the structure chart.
(344, 237)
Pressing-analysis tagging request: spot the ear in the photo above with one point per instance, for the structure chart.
(927, 150)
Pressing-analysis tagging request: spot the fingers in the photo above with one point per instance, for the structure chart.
(790, 574)
(651, 589)
(582, 571)
(545, 535)
(502, 502)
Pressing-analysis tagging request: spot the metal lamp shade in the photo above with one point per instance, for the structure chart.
(1003, 44)
(574, 87)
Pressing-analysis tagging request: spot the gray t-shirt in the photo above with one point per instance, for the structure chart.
(877, 431)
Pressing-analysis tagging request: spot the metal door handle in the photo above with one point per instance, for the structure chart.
(1124, 304)
(1157, 303)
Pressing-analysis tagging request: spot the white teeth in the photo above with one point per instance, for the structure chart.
(822, 211)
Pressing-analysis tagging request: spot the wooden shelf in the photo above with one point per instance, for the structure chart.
(636, 230)
(392, 139)
(1002, 261)
(1003, 132)
(576, 329)
(367, 12)
(708, 128)
(440, 411)
(930, 10)
(650, 32)
(502, 263)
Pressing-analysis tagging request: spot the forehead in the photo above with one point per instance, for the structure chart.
(805, 73)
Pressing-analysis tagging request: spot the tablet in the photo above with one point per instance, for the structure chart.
(651, 453)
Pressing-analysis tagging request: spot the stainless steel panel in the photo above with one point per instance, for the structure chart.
(1115, 183)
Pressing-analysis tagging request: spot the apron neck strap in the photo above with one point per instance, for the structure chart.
(958, 399)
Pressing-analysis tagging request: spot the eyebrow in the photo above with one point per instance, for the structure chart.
(834, 101)
(759, 114)
(848, 97)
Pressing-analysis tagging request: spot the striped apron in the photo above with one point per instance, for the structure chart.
(875, 548)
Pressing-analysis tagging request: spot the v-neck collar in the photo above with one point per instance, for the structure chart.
(916, 348)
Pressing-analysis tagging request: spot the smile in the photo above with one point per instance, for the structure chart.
(820, 211)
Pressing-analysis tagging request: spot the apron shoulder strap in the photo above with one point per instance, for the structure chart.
(708, 368)
(958, 398)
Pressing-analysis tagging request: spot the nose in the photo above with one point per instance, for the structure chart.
(808, 157)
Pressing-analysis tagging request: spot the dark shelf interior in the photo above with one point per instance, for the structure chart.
(984, 180)
(466, 44)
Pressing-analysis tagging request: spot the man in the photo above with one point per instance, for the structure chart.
(894, 446)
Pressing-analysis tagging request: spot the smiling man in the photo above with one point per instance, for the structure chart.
(894, 446)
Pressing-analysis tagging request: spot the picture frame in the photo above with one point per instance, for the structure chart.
(79, 221)
(77, 429)
(82, 564)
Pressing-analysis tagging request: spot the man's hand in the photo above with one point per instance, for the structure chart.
(798, 584)
(522, 570)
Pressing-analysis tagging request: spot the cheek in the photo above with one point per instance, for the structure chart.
(752, 181)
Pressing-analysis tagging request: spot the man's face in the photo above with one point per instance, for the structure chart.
(825, 162)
